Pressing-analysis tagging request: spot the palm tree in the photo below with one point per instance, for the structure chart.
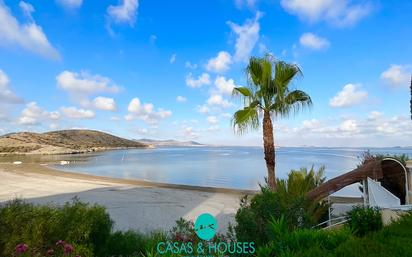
(268, 93)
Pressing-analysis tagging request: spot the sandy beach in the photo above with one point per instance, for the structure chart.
(132, 204)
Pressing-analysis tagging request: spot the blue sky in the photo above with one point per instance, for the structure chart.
(165, 69)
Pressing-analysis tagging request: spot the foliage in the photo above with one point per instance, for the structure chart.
(391, 241)
(268, 90)
(364, 219)
(78, 229)
(285, 242)
(85, 227)
(367, 156)
(183, 231)
(61, 248)
(288, 203)
(130, 243)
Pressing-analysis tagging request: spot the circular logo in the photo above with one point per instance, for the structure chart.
(206, 226)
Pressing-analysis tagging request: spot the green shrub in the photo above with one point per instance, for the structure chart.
(124, 244)
(85, 227)
(131, 243)
(289, 201)
(288, 243)
(364, 219)
(394, 240)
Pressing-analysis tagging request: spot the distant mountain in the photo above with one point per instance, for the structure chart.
(169, 142)
(63, 142)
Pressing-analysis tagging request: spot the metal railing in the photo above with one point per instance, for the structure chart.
(330, 224)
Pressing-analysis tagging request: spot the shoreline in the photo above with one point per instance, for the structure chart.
(45, 169)
(132, 204)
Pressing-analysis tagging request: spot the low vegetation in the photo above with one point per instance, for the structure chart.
(364, 220)
(279, 222)
(288, 201)
(392, 241)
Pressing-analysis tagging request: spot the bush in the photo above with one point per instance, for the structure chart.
(131, 243)
(289, 201)
(394, 240)
(364, 219)
(124, 244)
(287, 243)
(85, 227)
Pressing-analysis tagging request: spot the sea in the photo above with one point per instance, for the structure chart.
(224, 167)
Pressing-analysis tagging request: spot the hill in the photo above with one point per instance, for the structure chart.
(169, 142)
(62, 142)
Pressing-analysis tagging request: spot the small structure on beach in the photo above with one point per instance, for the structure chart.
(383, 181)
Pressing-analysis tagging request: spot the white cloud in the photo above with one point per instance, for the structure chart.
(397, 75)
(203, 109)
(6, 95)
(213, 128)
(75, 113)
(145, 112)
(375, 129)
(190, 65)
(152, 39)
(374, 115)
(189, 132)
(245, 3)
(247, 37)
(142, 131)
(349, 96)
(220, 63)
(84, 83)
(212, 120)
(311, 124)
(28, 35)
(312, 41)
(348, 126)
(226, 115)
(124, 12)
(218, 100)
(201, 80)
(115, 118)
(225, 86)
(70, 4)
(104, 103)
(337, 12)
(172, 58)
(32, 114)
(181, 99)
(27, 9)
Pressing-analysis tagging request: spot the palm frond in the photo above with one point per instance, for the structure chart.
(244, 91)
(293, 102)
(254, 72)
(246, 119)
(268, 88)
(285, 73)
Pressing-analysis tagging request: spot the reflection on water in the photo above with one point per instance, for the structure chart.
(230, 167)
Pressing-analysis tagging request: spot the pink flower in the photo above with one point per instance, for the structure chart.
(60, 242)
(68, 249)
(50, 252)
(21, 248)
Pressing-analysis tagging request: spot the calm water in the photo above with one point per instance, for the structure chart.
(229, 167)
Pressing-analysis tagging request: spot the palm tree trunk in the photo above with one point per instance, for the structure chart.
(269, 149)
